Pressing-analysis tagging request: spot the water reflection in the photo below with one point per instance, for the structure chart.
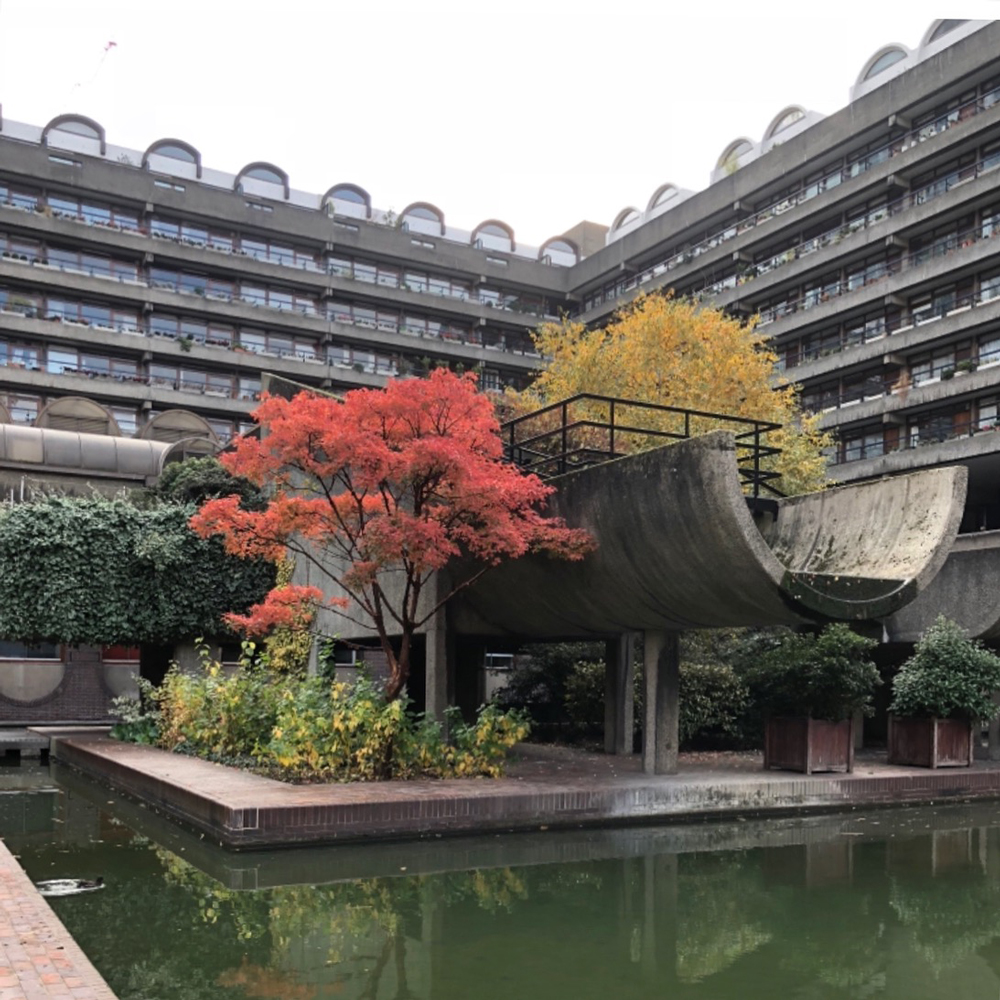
(891, 905)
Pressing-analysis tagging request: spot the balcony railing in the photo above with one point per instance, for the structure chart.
(867, 162)
(587, 429)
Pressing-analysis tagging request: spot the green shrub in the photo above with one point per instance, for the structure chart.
(713, 699)
(828, 676)
(585, 696)
(311, 729)
(949, 674)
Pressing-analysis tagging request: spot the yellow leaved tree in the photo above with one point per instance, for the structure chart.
(669, 351)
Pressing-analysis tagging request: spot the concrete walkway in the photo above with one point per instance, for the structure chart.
(38, 958)
(549, 788)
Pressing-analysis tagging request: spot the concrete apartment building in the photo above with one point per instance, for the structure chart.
(143, 295)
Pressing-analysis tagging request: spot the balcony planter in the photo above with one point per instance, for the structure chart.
(806, 744)
(929, 742)
(809, 688)
(937, 694)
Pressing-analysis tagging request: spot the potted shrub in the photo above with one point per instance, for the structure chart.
(938, 694)
(809, 688)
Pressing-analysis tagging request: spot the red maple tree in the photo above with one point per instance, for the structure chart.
(379, 491)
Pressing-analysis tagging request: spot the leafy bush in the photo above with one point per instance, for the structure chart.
(585, 696)
(713, 699)
(539, 686)
(827, 676)
(312, 729)
(949, 674)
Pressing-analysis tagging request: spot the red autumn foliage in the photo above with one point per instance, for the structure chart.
(393, 482)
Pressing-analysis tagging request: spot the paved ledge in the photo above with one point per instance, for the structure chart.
(38, 958)
(242, 810)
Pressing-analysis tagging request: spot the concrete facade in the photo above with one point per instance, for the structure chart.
(864, 240)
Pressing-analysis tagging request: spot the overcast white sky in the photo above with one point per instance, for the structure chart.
(537, 112)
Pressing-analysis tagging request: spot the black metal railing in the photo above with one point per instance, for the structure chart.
(586, 429)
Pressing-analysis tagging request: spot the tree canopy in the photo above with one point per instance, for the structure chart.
(93, 570)
(380, 491)
(670, 351)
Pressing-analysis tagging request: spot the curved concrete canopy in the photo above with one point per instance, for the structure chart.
(678, 548)
(966, 590)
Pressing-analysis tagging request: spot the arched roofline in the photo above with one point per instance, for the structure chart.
(95, 408)
(424, 204)
(175, 451)
(350, 187)
(934, 25)
(572, 244)
(769, 132)
(623, 215)
(669, 186)
(60, 120)
(181, 144)
(500, 225)
(731, 148)
(874, 58)
(146, 432)
(264, 165)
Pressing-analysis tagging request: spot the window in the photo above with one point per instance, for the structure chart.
(884, 61)
(23, 651)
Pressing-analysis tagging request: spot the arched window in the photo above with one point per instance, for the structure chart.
(784, 119)
(559, 251)
(494, 235)
(884, 61)
(76, 125)
(174, 149)
(624, 218)
(423, 217)
(943, 27)
(349, 199)
(261, 171)
(731, 154)
(663, 194)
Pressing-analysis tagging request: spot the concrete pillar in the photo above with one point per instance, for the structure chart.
(619, 694)
(436, 658)
(661, 668)
(859, 730)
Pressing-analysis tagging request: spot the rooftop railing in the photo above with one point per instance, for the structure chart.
(587, 429)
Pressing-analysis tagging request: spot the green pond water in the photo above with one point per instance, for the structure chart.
(897, 905)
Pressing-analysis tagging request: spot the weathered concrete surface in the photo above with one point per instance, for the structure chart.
(678, 549)
(966, 590)
(246, 811)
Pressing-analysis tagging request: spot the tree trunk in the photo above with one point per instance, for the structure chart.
(399, 666)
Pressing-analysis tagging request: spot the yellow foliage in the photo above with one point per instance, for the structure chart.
(660, 349)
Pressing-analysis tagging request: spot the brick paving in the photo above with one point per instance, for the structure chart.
(38, 958)
(547, 788)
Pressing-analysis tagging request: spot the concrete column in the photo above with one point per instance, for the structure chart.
(436, 659)
(619, 694)
(661, 667)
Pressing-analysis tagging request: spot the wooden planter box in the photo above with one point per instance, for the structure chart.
(805, 744)
(930, 742)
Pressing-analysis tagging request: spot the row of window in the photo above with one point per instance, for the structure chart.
(68, 360)
(931, 365)
(920, 309)
(813, 185)
(867, 272)
(948, 423)
(227, 335)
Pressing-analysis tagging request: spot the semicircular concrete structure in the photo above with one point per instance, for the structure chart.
(678, 548)
(966, 590)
